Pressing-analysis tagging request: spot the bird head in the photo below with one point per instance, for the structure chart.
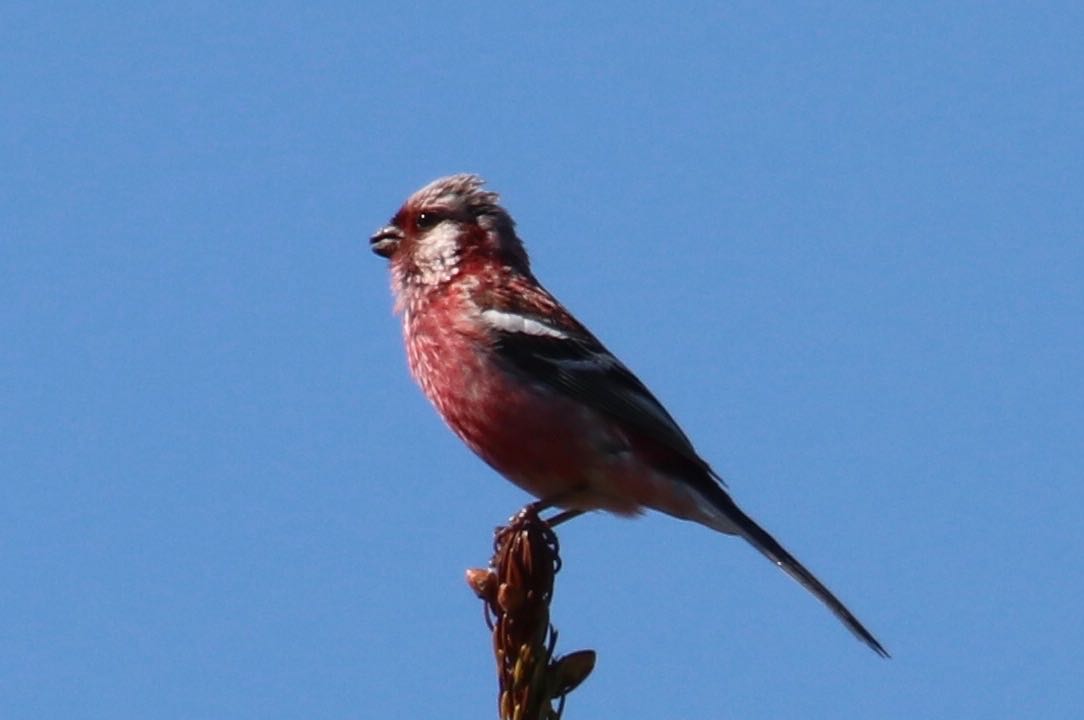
(448, 223)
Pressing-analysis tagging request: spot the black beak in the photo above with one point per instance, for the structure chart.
(385, 241)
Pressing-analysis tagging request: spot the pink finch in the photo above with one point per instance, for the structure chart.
(532, 391)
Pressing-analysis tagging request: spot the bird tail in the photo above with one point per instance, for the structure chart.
(729, 518)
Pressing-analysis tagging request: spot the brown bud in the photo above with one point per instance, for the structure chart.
(507, 707)
(510, 597)
(483, 581)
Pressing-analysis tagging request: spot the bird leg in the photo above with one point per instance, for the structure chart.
(563, 516)
(540, 506)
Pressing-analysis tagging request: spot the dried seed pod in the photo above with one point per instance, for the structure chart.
(517, 589)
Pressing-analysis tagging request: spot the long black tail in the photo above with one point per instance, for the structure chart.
(759, 538)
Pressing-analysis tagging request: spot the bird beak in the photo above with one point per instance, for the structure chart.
(385, 241)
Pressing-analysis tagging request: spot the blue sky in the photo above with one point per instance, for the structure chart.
(844, 243)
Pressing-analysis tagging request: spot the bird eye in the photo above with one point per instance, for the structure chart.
(426, 220)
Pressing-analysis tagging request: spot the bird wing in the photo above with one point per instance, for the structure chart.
(558, 352)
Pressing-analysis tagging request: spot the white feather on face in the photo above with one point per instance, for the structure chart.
(437, 253)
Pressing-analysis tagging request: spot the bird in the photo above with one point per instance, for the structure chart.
(532, 391)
